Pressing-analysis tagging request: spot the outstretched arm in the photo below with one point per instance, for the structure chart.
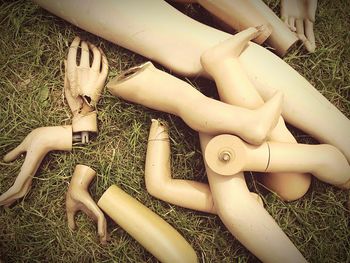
(37, 144)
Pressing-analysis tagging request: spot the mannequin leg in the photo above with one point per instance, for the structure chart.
(247, 221)
(219, 62)
(139, 26)
(159, 90)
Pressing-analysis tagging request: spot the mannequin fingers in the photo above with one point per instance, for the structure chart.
(84, 59)
(311, 9)
(291, 23)
(14, 193)
(96, 63)
(104, 67)
(12, 155)
(309, 32)
(70, 219)
(102, 228)
(283, 11)
(72, 54)
(300, 30)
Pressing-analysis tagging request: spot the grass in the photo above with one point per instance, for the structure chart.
(33, 45)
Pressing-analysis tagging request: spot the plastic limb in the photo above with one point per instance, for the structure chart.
(299, 15)
(237, 14)
(149, 229)
(227, 155)
(248, 221)
(242, 14)
(179, 44)
(78, 198)
(83, 85)
(184, 193)
(37, 144)
(159, 90)
(222, 63)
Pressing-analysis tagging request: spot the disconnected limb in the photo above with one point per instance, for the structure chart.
(179, 44)
(185, 193)
(79, 199)
(248, 221)
(149, 229)
(299, 15)
(222, 63)
(242, 14)
(160, 184)
(237, 14)
(36, 145)
(83, 84)
(159, 90)
(227, 155)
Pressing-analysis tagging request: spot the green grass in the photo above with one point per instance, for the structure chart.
(33, 45)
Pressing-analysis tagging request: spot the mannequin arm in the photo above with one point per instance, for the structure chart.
(246, 219)
(83, 85)
(227, 155)
(149, 229)
(37, 144)
(299, 15)
(242, 14)
(159, 90)
(78, 198)
(185, 193)
(148, 35)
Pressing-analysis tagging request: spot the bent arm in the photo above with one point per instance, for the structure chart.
(185, 193)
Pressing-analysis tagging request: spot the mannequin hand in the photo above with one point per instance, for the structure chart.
(37, 144)
(79, 199)
(85, 82)
(299, 15)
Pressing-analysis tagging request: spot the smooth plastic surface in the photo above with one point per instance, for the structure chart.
(78, 199)
(299, 16)
(324, 161)
(149, 229)
(159, 90)
(36, 145)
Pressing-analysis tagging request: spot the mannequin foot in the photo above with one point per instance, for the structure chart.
(265, 119)
(229, 48)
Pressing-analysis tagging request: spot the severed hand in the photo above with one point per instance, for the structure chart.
(83, 84)
(299, 15)
(37, 144)
(79, 199)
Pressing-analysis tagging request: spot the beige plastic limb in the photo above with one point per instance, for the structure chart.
(238, 14)
(179, 43)
(246, 219)
(184, 193)
(222, 63)
(149, 229)
(37, 144)
(78, 198)
(227, 155)
(159, 90)
(83, 85)
(242, 14)
(299, 15)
